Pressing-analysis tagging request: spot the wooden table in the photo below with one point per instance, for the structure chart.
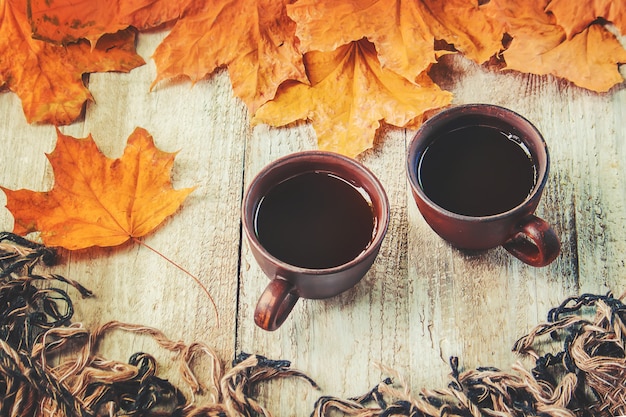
(421, 303)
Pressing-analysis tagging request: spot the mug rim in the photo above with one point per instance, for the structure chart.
(381, 225)
(414, 155)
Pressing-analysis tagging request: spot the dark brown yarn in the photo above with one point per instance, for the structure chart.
(36, 330)
(587, 377)
(584, 375)
(592, 352)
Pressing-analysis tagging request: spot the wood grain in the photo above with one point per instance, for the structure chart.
(422, 302)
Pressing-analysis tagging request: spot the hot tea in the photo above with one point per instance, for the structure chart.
(315, 220)
(477, 171)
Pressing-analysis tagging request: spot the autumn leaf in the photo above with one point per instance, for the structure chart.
(575, 16)
(404, 32)
(261, 43)
(540, 46)
(98, 201)
(254, 39)
(48, 78)
(464, 24)
(349, 95)
(402, 36)
(66, 21)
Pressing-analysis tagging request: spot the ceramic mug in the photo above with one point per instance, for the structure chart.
(477, 172)
(314, 221)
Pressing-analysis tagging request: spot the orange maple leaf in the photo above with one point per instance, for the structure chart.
(254, 39)
(98, 201)
(540, 46)
(404, 32)
(464, 24)
(347, 122)
(48, 78)
(65, 21)
(575, 16)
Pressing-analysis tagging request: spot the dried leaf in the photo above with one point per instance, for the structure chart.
(540, 46)
(48, 78)
(98, 201)
(254, 39)
(261, 43)
(402, 36)
(404, 32)
(575, 16)
(464, 24)
(65, 21)
(349, 95)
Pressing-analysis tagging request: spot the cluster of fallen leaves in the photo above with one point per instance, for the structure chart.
(345, 65)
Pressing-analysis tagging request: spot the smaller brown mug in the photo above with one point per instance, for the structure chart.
(315, 221)
(477, 172)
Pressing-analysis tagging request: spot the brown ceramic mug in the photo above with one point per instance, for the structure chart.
(477, 172)
(315, 221)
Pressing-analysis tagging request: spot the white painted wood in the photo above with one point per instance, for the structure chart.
(421, 303)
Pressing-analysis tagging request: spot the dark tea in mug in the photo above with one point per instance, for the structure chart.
(315, 220)
(477, 170)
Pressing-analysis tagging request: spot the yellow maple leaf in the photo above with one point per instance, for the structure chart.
(575, 16)
(464, 24)
(349, 95)
(540, 46)
(404, 32)
(98, 201)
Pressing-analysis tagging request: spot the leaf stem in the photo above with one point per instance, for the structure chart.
(195, 278)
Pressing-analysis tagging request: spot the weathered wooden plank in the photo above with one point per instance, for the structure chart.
(421, 303)
(446, 302)
(476, 305)
(336, 341)
(208, 127)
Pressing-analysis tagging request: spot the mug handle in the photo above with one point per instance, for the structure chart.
(534, 242)
(275, 304)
